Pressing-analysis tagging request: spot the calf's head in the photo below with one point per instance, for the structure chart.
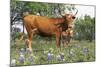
(68, 33)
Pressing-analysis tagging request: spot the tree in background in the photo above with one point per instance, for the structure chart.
(18, 8)
(85, 28)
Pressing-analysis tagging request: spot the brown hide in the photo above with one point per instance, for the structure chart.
(66, 36)
(46, 26)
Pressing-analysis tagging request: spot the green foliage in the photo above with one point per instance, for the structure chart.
(70, 7)
(85, 28)
(45, 9)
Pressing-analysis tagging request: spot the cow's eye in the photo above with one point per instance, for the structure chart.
(73, 17)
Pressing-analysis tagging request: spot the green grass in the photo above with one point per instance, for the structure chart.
(75, 47)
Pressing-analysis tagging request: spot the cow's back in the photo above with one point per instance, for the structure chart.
(43, 24)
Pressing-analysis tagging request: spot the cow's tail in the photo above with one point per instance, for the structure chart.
(60, 40)
(21, 35)
(23, 32)
(24, 15)
(60, 37)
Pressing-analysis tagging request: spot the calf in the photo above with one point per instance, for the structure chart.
(66, 37)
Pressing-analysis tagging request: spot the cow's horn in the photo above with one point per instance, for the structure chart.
(62, 13)
(76, 13)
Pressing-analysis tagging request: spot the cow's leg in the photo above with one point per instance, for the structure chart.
(68, 40)
(30, 45)
(63, 41)
(66, 44)
(58, 38)
(30, 42)
(31, 33)
(26, 42)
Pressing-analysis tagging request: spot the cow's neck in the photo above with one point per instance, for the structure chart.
(58, 20)
(61, 23)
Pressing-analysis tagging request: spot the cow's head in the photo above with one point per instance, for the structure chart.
(69, 18)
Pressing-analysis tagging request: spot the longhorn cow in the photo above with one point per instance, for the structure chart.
(45, 26)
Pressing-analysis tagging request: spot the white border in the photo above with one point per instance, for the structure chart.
(4, 33)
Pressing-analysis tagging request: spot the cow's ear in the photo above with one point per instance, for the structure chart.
(64, 17)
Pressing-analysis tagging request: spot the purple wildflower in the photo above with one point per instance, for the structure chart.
(62, 56)
(22, 51)
(50, 56)
(21, 59)
(85, 51)
(30, 59)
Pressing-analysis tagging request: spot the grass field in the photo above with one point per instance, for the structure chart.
(46, 53)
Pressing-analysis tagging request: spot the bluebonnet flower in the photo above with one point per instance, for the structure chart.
(21, 58)
(30, 59)
(85, 51)
(22, 51)
(13, 62)
(50, 56)
(62, 56)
